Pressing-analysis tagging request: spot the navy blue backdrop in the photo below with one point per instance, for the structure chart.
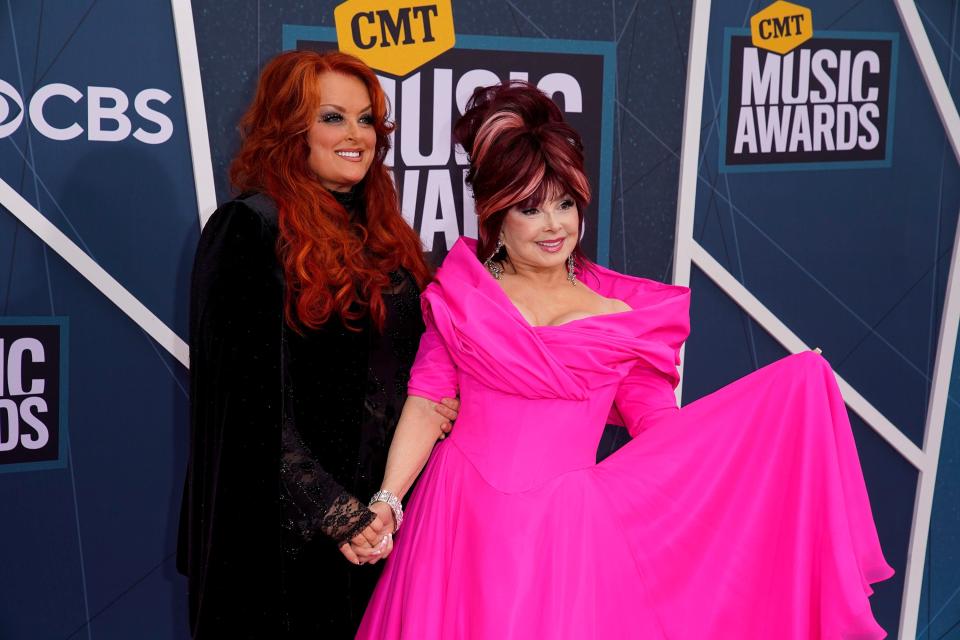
(854, 260)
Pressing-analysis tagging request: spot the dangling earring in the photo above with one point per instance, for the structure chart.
(572, 270)
(494, 267)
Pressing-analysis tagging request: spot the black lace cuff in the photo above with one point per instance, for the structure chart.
(311, 500)
(346, 518)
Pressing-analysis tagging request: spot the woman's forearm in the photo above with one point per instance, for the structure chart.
(417, 432)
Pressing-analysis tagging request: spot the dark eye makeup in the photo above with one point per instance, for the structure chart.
(334, 116)
(566, 203)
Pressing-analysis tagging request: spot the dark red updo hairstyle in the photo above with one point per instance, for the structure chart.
(523, 153)
(331, 267)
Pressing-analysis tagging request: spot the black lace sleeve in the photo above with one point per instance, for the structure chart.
(311, 500)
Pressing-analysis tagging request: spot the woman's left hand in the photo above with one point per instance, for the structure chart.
(449, 408)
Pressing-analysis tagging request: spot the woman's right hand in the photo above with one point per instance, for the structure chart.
(368, 546)
(448, 408)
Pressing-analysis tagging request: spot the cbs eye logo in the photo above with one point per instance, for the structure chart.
(56, 111)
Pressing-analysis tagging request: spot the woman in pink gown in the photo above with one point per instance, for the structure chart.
(742, 515)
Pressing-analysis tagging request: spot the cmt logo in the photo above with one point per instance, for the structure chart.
(390, 28)
(830, 100)
(392, 38)
(781, 27)
(53, 113)
(32, 390)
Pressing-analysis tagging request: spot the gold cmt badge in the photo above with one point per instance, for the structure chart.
(781, 27)
(395, 36)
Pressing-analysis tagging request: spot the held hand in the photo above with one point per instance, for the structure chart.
(367, 546)
(373, 556)
(366, 555)
(448, 408)
(385, 514)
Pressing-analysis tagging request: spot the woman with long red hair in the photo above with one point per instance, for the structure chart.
(305, 321)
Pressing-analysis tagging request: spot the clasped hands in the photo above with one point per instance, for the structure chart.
(375, 542)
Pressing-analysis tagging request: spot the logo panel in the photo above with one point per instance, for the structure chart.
(60, 111)
(828, 103)
(33, 391)
(781, 27)
(395, 37)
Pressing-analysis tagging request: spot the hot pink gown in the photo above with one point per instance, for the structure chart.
(742, 515)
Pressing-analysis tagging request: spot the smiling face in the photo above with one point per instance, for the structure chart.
(341, 138)
(544, 235)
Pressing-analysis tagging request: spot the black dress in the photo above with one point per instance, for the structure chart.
(289, 438)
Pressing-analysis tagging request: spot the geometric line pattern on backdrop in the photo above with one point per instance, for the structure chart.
(792, 343)
(947, 340)
(688, 252)
(203, 180)
(93, 272)
(78, 256)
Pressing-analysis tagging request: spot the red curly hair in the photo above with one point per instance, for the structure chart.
(330, 267)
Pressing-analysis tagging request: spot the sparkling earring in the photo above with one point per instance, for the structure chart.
(572, 270)
(494, 267)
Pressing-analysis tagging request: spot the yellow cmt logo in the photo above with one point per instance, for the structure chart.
(395, 36)
(781, 27)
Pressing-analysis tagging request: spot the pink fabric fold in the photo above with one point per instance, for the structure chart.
(480, 327)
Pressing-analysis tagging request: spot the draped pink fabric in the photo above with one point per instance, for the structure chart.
(742, 515)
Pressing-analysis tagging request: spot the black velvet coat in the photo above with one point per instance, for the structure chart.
(289, 436)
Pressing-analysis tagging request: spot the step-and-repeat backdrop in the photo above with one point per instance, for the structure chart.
(795, 164)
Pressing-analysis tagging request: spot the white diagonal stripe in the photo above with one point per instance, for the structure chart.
(195, 110)
(93, 272)
(689, 152)
(946, 342)
(932, 73)
(782, 334)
